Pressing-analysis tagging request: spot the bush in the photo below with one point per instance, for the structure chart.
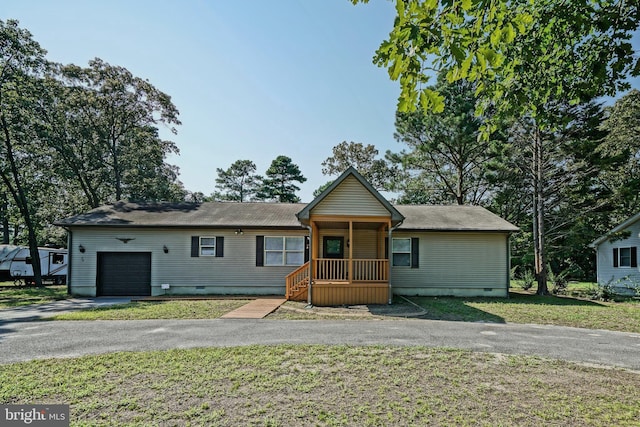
(559, 281)
(604, 291)
(528, 280)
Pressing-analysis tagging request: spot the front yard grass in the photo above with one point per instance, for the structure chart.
(12, 295)
(526, 307)
(520, 307)
(289, 385)
(142, 310)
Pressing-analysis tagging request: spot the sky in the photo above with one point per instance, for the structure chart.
(252, 79)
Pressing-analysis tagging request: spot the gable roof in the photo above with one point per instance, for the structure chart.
(616, 229)
(452, 218)
(396, 216)
(209, 214)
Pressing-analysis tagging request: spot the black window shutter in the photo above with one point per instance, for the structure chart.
(195, 246)
(415, 242)
(386, 248)
(634, 256)
(615, 257)
(259, 251)
(307, 249)
(219, 247)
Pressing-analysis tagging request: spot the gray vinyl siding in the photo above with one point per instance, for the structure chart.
(620, 277)
(350, 198)
(235, 273)
(455, 263)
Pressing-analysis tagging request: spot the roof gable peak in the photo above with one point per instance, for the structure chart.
(396, 216)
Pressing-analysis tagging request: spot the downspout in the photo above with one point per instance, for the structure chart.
(508, 263)
(309, 304)
(69, 250)
(389, 257)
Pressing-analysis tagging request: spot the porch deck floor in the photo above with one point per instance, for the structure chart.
(256, 309)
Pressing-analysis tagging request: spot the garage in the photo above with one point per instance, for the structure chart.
(124, 273)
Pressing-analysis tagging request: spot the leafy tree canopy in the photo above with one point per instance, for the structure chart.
(363, 158)
(521, 53)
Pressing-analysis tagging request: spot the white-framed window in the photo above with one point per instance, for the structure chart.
(401, 252)
(624, 257)
(207, 246)
(283, 250)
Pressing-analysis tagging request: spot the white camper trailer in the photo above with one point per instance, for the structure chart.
(7, 252)
(53, 265)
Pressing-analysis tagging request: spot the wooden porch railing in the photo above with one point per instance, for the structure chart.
(297, 281)
(370, 270)
(364, 270)
(331, 269)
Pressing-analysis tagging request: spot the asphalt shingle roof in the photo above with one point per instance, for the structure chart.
(452, 218)
(209, 214)
(277, 215)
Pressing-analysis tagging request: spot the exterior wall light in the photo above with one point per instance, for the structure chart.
(239, 232)
(165, 249)
(81, 249)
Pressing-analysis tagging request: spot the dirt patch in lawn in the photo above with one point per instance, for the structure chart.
(400, 309)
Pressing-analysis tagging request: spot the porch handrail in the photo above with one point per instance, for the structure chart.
(364, 270)
(297, 279)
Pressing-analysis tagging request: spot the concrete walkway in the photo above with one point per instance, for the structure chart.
(256, 309)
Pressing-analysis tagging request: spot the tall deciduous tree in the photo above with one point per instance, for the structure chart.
(364, 159)
(524, 56)
(22, 65)
(278, 183)
(239, 182)
(107, 134)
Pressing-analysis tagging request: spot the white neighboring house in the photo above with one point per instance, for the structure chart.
(617, 256)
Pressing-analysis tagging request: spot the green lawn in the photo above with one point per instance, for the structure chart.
(325, 385)
(179, 309)
(525, 307)
(520, 307)
(16, 295)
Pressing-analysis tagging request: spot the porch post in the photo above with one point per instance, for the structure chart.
(389, 262)
(311, 255)
(350, 252)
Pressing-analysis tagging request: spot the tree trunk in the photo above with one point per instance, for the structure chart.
(538, 214)
(4, 211)
(19, 196)
(459, 192)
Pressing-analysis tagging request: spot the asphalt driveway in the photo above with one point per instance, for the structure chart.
(21, 340)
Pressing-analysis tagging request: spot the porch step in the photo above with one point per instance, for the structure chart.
(256, 309)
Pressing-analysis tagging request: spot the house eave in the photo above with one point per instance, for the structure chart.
(184, 226)
(615, 229)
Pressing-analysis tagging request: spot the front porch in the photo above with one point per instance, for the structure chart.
(348, 263)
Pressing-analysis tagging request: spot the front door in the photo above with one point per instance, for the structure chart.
(333, 249)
